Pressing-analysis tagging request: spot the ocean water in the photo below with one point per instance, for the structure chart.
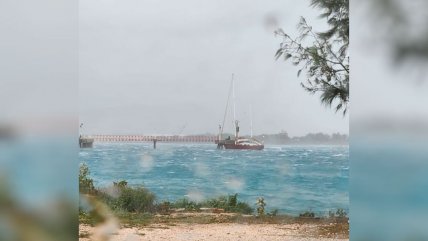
(292, 179)
(389, 186)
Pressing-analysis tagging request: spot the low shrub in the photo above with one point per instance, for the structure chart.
(187, 205)
(164, 207)
(274, 213)
(307, 214)
(340, 213)
(130, 199)
(242, 207)
(261, 204)
(227, 203)
(86, 184)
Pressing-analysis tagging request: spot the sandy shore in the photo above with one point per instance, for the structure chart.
(194, 232)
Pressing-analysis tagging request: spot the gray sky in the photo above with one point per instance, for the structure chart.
(380, 86)
(152, 67)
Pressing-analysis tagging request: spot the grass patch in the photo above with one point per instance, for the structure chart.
(228, 203)
(307, 214)
(128, 219)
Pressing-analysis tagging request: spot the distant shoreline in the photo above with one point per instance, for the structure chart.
(213, 144)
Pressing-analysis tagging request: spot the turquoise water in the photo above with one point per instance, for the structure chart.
(292, 179)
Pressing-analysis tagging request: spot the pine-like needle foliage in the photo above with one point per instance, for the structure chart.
(322, 55)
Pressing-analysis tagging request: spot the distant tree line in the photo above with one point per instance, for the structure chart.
(311, 138)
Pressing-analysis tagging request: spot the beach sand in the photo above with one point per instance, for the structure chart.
(217, 231)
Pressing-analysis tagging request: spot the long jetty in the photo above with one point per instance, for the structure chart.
(151, 138)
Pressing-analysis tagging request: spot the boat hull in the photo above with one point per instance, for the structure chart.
(85, 142)
(231, 144)
(243, 147)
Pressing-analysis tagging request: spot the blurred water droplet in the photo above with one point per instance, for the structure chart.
(270, 22)
(146, 162)
(112, 191)
(106, 230)
(284, 169)
(195, 195)
(201, 170)
(235, 184)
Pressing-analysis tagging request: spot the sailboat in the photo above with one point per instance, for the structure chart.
(238, 143)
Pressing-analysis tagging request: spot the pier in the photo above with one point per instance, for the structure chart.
(158, 138)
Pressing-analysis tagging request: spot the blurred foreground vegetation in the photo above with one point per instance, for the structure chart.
(55, 220)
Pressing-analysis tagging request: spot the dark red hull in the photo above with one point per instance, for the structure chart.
(243, 147)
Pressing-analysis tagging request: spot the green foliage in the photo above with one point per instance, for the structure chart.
(220, 202)
(86, 184)
(136, 199)
(323, 55)
(261, 204)
(130, 199)
(227, 203)
(233, 200)
(340, 213)
(164, 207)
(132, 219)
(337, 14)
(307, 214)
(187, 205)
(120, 184)
(274, 213)
(242, 207)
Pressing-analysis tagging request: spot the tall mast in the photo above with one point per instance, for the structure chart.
(233, 99)
(251, 121)
(234, 109)
(227, 105)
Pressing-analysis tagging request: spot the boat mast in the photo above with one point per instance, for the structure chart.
(227, 105)
(234, 109)
(233, 99)
(251, 121)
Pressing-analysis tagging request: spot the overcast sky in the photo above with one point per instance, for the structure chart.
(382, 87)
(164, 67)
